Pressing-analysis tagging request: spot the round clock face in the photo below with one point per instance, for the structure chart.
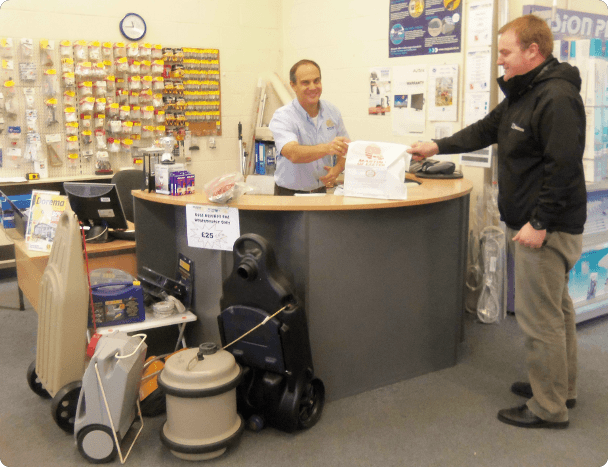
(133, 27)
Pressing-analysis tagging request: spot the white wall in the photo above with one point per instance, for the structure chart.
(247, 33)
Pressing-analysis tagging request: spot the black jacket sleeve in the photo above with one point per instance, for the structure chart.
(478, 135)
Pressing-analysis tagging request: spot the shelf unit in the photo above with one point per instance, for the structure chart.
(588, 283)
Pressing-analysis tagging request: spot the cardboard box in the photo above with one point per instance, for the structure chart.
(162, 175)
(178, 183)
(562, 49)
(22, 202)
(190, 183)
(595, 169)
(587, 280)
(117, 304)
(595, 81)
(594, 131)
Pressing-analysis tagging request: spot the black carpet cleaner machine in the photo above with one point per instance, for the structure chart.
(278, 386)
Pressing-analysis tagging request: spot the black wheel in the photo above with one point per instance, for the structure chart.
(255, 423)
(96, 444)
(34, 383)
(311, 404)
(64, 404)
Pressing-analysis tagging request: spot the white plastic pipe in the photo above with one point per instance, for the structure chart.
(279, 88)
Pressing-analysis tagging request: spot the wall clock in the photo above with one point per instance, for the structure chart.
(133, 27)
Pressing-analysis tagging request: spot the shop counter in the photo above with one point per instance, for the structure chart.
(382, 281)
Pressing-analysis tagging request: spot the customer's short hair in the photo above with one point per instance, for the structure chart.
(292, 72)
(530, 29)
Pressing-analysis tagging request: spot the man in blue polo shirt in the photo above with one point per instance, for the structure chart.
(307, 132)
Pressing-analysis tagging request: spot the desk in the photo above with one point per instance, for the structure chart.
(119, 254)
(382, 281)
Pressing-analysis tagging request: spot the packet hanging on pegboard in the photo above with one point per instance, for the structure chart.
(53, 148)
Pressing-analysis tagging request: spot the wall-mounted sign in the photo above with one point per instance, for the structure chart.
(424, 27)
(570, 23)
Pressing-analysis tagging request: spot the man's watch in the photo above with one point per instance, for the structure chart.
(537, 225)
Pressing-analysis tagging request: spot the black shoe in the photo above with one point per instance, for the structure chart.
(524, 418)
(525, 390)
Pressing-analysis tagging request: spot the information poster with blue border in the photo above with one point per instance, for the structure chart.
(424, 27)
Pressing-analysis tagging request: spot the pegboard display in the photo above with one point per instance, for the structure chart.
(192, 90)
(70, 108)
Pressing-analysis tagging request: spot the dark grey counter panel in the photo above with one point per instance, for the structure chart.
(382, 288)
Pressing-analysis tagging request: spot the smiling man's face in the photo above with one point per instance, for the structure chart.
(308, 86)
(510, 56)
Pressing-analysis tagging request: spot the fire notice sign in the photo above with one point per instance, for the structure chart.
(424, 27)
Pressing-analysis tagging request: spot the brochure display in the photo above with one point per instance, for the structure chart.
(45, 210)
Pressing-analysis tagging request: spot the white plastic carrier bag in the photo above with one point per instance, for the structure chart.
(376, 170)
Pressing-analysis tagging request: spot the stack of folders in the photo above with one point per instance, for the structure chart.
(265, 158)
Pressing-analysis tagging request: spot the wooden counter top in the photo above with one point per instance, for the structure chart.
(430, 191)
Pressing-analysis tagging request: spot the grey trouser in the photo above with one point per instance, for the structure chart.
(545, 313)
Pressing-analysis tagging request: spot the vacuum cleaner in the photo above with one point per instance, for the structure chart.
(278, 386)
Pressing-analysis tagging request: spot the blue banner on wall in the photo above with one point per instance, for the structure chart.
(424, 27)
(570, 23)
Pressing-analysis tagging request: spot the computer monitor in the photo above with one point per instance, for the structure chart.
(98, 206)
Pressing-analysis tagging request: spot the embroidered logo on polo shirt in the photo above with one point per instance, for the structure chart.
(330, 124)
(515, 127)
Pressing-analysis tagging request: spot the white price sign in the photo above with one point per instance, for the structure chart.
(214, 228)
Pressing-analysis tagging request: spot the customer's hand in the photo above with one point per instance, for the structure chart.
(421, 150)
(530, 237)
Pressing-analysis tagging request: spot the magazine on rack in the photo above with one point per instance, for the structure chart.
(45, 210)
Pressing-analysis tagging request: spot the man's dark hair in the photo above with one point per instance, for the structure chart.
(292, 72)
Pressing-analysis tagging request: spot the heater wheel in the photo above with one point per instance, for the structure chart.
(96, 444)
(64, 405)
(34, 382)
(311, 404)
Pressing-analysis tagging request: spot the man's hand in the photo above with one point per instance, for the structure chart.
(338, 146)
(329, 180)
(301, 154)
(529, 237)
(422, 150)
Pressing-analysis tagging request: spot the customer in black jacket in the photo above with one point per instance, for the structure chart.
(540, 131)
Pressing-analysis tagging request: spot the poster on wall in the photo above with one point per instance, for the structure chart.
(480, 16)
(409, 99)
(570, 23)
(443, 93)
(476, 106)
(379, 91)
(424, 27)
(478, 70)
